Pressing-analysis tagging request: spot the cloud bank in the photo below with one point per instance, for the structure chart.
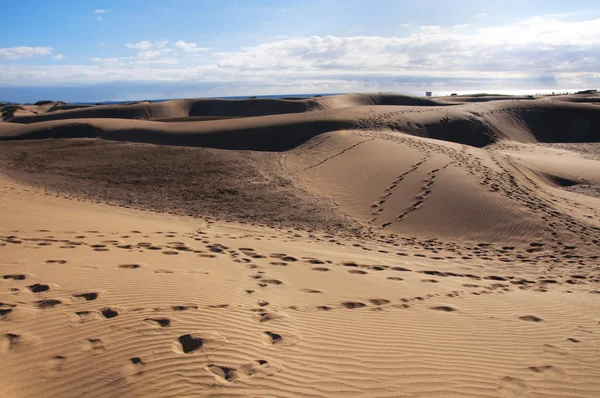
(541, 52)
(14, 53)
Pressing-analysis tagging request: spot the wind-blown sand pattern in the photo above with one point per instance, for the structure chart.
(355, 245)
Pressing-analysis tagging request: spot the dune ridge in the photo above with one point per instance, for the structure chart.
(474, 124)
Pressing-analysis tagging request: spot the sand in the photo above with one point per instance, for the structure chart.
(356, 245)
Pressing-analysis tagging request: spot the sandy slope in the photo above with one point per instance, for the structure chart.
(373, 246)
(343, 317)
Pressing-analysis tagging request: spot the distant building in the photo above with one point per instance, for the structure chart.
(428, 93)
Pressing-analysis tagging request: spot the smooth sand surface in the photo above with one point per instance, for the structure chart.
(357, 245)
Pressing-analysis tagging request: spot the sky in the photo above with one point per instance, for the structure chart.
(133, 50)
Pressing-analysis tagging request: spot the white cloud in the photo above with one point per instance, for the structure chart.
(405, 25)
(148, 45)
(149, 54)
(544, 51)
(59, 57)
(481, 15)
(188, 46)
(14, 53)
(161, 61)
(108, 62)
(99, 11)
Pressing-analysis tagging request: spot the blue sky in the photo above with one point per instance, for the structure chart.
(125, 50)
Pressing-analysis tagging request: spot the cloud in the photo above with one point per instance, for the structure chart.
(481, 15)
(148, 45)
(99, 13)
(545, 52)
(405, 25)
(149, 54)
(59, 57)
(14, 53)
(108, 62)
(188, 47)
(149, 61)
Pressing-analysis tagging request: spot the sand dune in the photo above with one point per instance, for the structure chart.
(355, 245)
(472, 124)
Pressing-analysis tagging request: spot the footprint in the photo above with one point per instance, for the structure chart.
(353, 304)
(394, 278)
(134, 366)
(222, 373)
(357, 271)
(94, 345)
(265, 316)
(129, 266)
(219, 306)
(48, 303)
(56, 261)
(158, 322)
(324, 308)
(87, 296)
(272, 281)
(192, 342)
(258, 368)
(184, 307)
(310, 291)
(189, 343)
(16, 277)
(552, 349)
(530, 318)
(55, 365)
(322, 269)
(8, 341)
(85, 315)
(109, 312)
(379, 302)
(444, 308)
(277, 255)
(512, 387)
(5, 309)
(170, 252)
(37, 288)
(273, 338)
(549, 370)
